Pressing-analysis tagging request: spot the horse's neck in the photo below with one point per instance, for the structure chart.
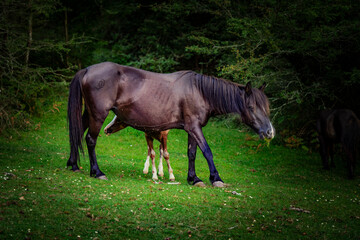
(223, 97)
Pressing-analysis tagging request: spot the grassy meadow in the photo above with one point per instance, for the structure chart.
(273, 193)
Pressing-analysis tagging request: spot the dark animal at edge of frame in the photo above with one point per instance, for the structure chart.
(339, 126)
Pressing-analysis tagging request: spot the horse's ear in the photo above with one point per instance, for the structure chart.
(248, 88)
(262, 87)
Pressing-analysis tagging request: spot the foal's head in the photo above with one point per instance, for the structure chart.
(114, 126)
(256, 113)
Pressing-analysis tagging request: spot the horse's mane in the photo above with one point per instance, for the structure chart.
(225, 96)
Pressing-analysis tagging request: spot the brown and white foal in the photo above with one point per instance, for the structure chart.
(116, 125)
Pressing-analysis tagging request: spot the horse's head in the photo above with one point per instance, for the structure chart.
(256, 113)
(114, 126)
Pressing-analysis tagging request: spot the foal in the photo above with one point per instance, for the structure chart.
(116, 125)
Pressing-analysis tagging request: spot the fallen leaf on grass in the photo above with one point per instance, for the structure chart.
(299, 209)
(249, 230)
(84, 209)
(22, 198)
(235, 193)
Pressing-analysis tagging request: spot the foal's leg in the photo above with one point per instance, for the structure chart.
(166, 155)
(197, 135)
(147, 162)
(160, 166)
(91, 138)
(151, 151)
(72, 162)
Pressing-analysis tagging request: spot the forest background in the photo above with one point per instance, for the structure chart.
(308, 52)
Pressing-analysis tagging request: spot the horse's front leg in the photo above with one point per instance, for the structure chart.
(197, 134)
(192, 178)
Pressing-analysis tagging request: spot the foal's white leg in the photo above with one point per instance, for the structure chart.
(147, 163)
(154, 176)
(161, 169)
(171, 175)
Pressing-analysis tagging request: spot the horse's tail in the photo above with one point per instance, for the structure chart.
(74, 112)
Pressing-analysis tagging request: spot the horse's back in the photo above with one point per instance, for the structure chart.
(325, 124)
(334, 124)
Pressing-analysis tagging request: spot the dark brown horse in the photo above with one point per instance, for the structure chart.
(116, 125)
(339, 126)
(156, 102)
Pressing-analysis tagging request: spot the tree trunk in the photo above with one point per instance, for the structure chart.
(30, 31)
(66, 35)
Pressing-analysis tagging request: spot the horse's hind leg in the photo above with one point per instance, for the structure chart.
(72, 162)
(331, 154)
(324, 152)
(91, 138)
(350, 158)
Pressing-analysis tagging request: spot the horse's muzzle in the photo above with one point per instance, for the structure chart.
(107, 131)
(268, 133)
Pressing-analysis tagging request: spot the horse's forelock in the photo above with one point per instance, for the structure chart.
(261, 100)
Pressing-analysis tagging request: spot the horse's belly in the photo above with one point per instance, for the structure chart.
(148, 116)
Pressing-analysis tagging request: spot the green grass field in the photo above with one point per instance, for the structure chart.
(274, 192)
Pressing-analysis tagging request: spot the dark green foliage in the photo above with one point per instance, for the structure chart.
(307, 51)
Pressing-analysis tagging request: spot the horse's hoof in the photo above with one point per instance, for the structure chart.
(219, 184)
(77, 170)
(172, 179)
(145, 171)
(102, 177)
(200, 184)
